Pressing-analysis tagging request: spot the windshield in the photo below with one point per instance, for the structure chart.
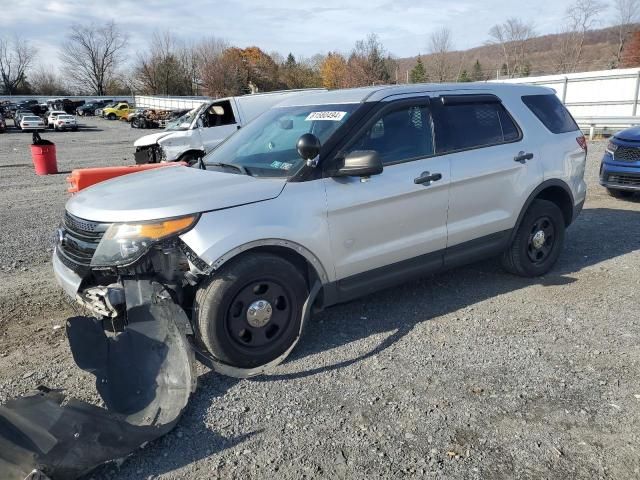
(180, 123)
(266, 147)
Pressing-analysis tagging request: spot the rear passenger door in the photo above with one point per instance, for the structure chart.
(494, 167)
(391, 226)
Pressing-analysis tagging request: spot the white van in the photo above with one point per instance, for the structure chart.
(199, 131)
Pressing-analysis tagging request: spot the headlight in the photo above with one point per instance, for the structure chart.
(611, 147)
(124, 243)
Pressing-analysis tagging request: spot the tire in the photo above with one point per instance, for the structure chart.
(526, 256)
(134, 123)
(221, 309)
(111, 116)
(619, 193)
(190, 158)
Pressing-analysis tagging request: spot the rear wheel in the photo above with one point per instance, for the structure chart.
(249, 313)
(619, 193)
(538, 241)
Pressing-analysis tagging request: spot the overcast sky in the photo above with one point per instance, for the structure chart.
(298, 26)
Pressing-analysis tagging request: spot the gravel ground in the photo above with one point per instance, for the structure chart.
(470, 374)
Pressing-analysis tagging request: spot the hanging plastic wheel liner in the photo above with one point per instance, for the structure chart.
(144, 375)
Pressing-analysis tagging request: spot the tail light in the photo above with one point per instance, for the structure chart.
(582, 141)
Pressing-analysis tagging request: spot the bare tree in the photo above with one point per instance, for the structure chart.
(441, 63)
(16, 57)
(92, 55)
(45, 81)
(513, 37)
(627, 12)
(581, 17)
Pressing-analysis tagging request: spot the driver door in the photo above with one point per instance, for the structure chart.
(387, 228)
(214, 127)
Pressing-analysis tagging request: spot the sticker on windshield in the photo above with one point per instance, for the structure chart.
(276, 164)
(333, 116)
(286, 166)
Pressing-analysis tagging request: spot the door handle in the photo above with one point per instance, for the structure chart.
(522, 157)
(426, 178)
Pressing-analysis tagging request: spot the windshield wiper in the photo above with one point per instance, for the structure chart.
(240, 168)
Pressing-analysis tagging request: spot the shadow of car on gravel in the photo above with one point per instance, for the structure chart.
(597, 235)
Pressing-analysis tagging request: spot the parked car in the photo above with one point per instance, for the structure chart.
(90, 108)
(203, 128)
(620, 166)
(99, 111)
(326, 197)
(3, 124)
(17, 116)
(52, 116)
(31, 123)
(118, 111)
(65, 122)
(150, 118)
(135, 113)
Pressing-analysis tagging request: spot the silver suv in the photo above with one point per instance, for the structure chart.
(324, 198)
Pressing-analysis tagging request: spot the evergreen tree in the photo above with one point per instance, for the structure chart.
(418, 74)
(476, 73)
(504, 71)
(464, 77)
(291, 61)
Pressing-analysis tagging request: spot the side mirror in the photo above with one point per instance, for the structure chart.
(360, 163)
(308, 146)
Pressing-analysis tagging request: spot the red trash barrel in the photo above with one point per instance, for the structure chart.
(44, 159)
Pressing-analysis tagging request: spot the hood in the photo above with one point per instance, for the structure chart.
(169, 192)
(151, 139)
(630, 134)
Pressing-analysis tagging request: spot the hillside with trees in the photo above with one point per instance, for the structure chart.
(99, 59)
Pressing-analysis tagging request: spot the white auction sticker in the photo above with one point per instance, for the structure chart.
(333, 116)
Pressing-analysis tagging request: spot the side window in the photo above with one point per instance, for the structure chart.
(399, 135)
(219, 114)
(473, 125)
(551, 112)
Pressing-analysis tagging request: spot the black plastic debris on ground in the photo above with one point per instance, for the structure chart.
(144, 374)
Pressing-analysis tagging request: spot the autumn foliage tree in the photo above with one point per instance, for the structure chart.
(631, 53)
(333, 71)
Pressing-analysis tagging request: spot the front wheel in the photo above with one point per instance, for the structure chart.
(249, 312)
(538, 241)
(111, 116)
(190, 158)
(619, 193)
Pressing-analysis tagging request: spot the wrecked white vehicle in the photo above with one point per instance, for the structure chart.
(198, 132)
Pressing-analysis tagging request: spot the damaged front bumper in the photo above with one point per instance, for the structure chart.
(141, 349)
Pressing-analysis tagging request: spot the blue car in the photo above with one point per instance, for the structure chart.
(620, 167)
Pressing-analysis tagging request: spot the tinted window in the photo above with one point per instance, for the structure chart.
(399, 135)
(551, 112)
(472, 125)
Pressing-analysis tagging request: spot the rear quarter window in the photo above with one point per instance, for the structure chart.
(551, 112)
(476, 125)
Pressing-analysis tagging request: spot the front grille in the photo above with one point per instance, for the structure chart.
(627, 154)
(624, 179)
(77, 242)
